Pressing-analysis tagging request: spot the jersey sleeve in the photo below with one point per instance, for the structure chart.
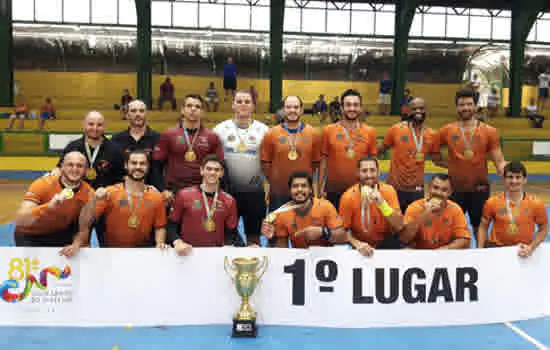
(218, 147)
(388, 139)
(493, 141)
(373, 149)
(266, 148)
(37, 192)
(316, 146)
(460, 226)
(346, 210)
(413, 211)
(489, 211)
(325, 142)
(390, 195)
(161, 150)
(160, 213)
(102, 205)
(332, 219)
(281, 229)
(540, 214)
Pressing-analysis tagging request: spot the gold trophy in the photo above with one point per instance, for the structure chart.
(247, 274)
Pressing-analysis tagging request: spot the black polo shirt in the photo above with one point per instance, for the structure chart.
(146, 143)
(109, 164)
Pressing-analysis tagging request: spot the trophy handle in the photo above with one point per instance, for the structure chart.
(228, 267)
(261, 269)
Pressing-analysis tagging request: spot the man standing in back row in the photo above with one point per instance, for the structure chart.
(470, 142)
(180, 150)
(241, 138)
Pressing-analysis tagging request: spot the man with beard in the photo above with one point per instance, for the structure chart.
(411, 142)
(514, 215)
(204, 215)
(469, 143)
(241, 138)
(180, 150)
(50, 211)
(343, 144)
(131, 208)
(138, 136)
(370, 210)
(289, 147)
(305, 220)
(435, 222)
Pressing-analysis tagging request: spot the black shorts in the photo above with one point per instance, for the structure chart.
(229, 83)
(406, 198)
(472, 204)
(251, 207)
(543, 92)
(51, 239)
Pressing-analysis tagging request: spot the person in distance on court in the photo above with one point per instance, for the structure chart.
(241, 138)
(370, 209)
(131, 208)
(343, 144)
(470, 142)
(305, 220)
(412, 143)
(204, 215)
(180, 150)
(51, 208)
(138, 136)
(436, 222)
(514, 214)
(291, 146)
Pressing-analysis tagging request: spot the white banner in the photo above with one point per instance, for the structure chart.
(328, 287)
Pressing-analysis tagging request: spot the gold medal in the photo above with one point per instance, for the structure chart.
(350, 153)
(419, 157)
(293, 155)
(91, 174)
(241, 148)
(190, 156)
(67, 193)
(210, 225)
(468, 154)
(512, 229)
(133, 221)
(270, 218)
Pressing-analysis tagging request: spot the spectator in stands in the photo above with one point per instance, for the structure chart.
(533, 115)
(254, 95)
(229, 78)
(21, 112)
(493, 102)
(544, 80)
(386, 86)
(211, 98)
(167, 94)
(436, 222)
(518, 218)
(320, 108)
(407, 98)
(125, 99)
(335, 109)
(47, 111)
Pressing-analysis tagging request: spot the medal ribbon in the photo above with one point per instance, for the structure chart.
(209, 209)
(293, 142)
(365, 214)
(472, 130)
(91, 157)
(130, 206)
(348, 138)
(418, 144)
(513, 218)
(187, 139)
(237, 128)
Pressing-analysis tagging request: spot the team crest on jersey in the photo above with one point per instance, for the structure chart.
(446, 221)
(502, 211)
(181, 140)
(476, 138)
(123, 203)
(251, 138)
(454, 137)
(428, 223)
(405, 138)
(196, 204)
(305, 139)
(231, 138)
(339, 136)
(282, 140)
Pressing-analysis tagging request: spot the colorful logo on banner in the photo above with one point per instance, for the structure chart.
(22, 269)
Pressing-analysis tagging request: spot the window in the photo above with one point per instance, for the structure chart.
(480, 27)
(127, 12)
(77, 11)
(543, 30)
(292, 19)
(211, 15)
(385, 22)
(48, 10)
(501, 28)
(161, 13)
(237, 17)
(457, 26)
(104, 11)
(338, 21)
(434, 25)
(416, 26)
(362, 22)
(260, 18)
(313, 20)
(185, 14)
(22, 10)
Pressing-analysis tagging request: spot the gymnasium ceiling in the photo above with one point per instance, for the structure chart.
(484, 4)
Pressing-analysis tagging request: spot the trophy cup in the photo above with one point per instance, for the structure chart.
(247, 274)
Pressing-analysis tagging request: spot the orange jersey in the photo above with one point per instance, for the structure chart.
(321, 213)
(350, 211)
(41, 191)
(342, 170)
(438, 230)
(465, 173)
(275, 148)
(406, 172)
(531, 212)
(150, 211)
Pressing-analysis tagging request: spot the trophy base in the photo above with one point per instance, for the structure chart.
(244, 329)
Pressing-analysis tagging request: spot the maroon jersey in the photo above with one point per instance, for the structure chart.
(189, 210)
(171, 150)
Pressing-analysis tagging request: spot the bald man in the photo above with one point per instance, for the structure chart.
(138, 136)
(51, 207)
(412, 143)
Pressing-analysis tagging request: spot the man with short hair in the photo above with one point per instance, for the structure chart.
(204, 215)
(132, 209)
(305, 220)
(516, 215)
(436, 222)
(289, 147)
(470, 142)
(241, 138)
(180, 150)
(370, 210)
(343, 144)
(52, 205)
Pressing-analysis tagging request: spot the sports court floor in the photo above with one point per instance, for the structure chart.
(529, 334)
